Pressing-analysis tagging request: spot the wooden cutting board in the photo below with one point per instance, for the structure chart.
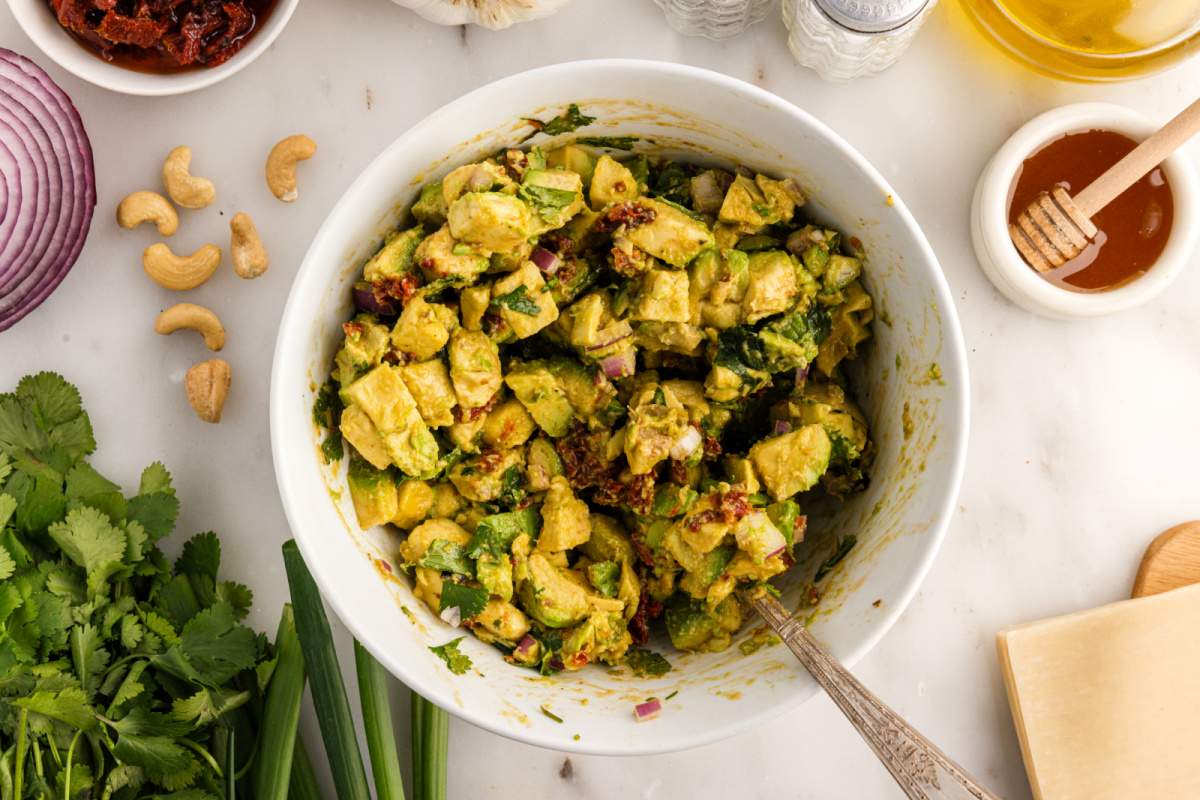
(1172, 560)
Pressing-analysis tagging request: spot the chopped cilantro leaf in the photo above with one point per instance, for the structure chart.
(647, 663)
(447, 556)
(547, 200)
(611, 142)
(569, 120)
(457, 662)
(518, 300)
(469, 600)
(844, 546)
(495, 533)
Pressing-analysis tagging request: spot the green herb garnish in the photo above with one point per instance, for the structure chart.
(844, 546)
(469, 600)
(569, 120)
(519, 301)
(647, 663)
(447, 556)
(457, 662)
(611, 142)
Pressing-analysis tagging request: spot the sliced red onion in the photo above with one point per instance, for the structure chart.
(801, 375)
(707, 192)
(782, 426)
(546, 261)
(648, 710)
(452, 615)
(365, 299)
(686, 444)
(48, 186)
(622, 365)
(758, 537)
(525, 646)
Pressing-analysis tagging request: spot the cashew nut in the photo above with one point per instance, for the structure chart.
(180, 272)
(185, 189)
(144, 206)
(246, 248)
(281, 165)
(207, 385)
(192, 317)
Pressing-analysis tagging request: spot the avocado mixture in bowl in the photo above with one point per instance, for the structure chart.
(596, 391)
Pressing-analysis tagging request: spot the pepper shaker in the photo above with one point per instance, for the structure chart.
(844, 39)
(714, 19)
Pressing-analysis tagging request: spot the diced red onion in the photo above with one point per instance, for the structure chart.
(452, 615)
(648, 710)
(546, 261)
(621, 365)
(707, 194)
(365, 299)
(777, 552)
(47, 186)
(686, 444)
(612, 334)
(782, 426)
(801, 375)
(525, 646)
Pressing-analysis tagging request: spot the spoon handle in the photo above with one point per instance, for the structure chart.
(923, 771)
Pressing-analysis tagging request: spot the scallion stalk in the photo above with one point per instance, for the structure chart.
(304, 780)
(328, 689)
(377, 722)
(281, 715)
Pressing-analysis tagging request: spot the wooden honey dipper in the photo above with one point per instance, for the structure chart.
(1056, 227)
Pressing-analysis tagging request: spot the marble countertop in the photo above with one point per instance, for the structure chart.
(1084, 437)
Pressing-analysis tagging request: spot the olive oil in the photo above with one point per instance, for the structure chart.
(1097, 40)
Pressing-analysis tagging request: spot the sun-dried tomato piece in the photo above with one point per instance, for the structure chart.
(582, 453)
(629, 214)
(639, 625)
(143, 32)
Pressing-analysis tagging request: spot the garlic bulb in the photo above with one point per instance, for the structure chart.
(494, 14)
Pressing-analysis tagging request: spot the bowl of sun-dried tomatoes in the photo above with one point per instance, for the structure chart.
(153, 47)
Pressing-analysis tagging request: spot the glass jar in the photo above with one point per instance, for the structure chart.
(844, 39)
(1091, 40)
(713, 19)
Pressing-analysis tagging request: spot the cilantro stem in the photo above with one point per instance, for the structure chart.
(281, 714)
(19, 768)
(70, 758)
(328, 688)
(230, 767)
(303, 785)
(377, 722)
(203, 753)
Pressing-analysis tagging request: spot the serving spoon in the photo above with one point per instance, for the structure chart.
(1057, 227)
(923, 771)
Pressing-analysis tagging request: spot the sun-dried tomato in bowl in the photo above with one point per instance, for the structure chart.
(162, 35)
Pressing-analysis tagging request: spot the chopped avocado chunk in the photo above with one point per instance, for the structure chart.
(555, 195)
(430, 207)
(539, 391)
(489, 220)
(662, 297)
(572, 157)
(395, 257)
(440, 255)
(792, 462)
(373, 493)
(603, 576)
(612, 182)
(429, 384)
(386, 400)
(565, 524)
(360, 432)
(524, 301)
(474, 368)
(495, 533)
(423, 328)
(551, 597)
(673, 235)
(772, 286)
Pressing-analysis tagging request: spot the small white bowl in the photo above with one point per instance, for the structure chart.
(40, 25)
(1005, 267)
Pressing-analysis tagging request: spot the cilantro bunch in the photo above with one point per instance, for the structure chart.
(122, 675)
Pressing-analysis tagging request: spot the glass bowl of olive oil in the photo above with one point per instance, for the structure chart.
(1092, 40)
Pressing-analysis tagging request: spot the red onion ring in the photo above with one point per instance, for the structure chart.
(48, 185)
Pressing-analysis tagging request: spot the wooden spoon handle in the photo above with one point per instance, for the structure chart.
(1143, 158)
(923, 771)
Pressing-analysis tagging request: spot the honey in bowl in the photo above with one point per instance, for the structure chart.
(1133, 228)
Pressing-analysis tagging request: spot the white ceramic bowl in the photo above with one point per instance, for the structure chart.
(1008, 271)
(919, 419)
(39, 24)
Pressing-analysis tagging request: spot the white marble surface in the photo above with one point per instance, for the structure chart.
(1084, 434)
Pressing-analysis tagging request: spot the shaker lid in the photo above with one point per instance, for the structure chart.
(871, 16)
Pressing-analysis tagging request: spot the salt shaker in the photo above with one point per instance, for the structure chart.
(844, 39)
(714, 19)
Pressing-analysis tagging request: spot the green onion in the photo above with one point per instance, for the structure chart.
(328, 689)
(281, 716)
(430, 732)
(230, 767)
(304, 780)
(377, 720)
